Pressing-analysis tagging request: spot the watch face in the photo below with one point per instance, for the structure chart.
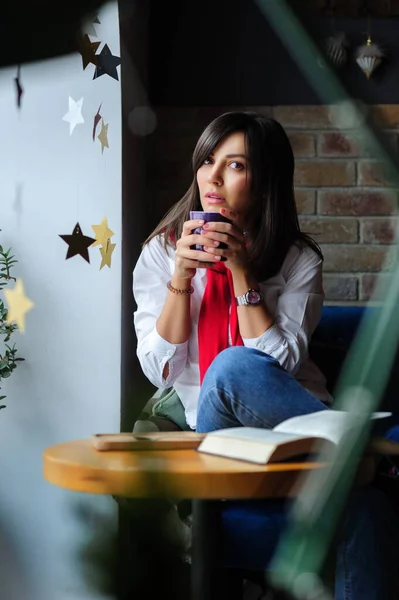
(253, 297)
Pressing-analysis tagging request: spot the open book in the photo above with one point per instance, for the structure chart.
(298, 436)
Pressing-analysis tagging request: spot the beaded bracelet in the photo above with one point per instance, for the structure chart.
(174, 290)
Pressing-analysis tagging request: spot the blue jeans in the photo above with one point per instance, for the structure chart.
(245, 387)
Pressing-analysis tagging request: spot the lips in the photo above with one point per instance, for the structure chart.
(214, 198)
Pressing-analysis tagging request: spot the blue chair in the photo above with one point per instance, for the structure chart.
(250, 530)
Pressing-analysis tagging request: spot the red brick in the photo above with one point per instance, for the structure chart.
(374, 173)
(379, 231)
(324, 173)
(369, 286)
(357, 202)
(303, 145)
(335, 144)
(305, 201)
(386, 115)
(332, 116)
(356, 258)
(331, 229)
(303, 117)
(317, 116)
(338, 144)
(367, 149)
(340, 287)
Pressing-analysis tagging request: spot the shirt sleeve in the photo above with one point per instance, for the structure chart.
(297, 314)
(150, 276)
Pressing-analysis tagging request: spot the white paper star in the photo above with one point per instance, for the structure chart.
(74, 114)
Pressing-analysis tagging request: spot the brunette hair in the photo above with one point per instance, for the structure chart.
(275, 220)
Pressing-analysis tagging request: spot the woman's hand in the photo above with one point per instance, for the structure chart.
(231, 235)
(188, 260)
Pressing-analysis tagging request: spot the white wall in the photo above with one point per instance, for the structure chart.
(69, 386)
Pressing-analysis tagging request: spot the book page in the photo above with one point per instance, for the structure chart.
(255, 434)
(327, 424)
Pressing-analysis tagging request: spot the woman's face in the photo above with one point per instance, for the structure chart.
(224, 179)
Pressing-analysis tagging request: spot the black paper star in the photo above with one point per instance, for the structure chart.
(88, 51)
(78, 243)
(19, 87)
(107, 64)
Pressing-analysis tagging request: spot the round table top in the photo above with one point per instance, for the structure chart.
(78, 466)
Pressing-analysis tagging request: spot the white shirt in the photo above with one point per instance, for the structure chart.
(294, 297)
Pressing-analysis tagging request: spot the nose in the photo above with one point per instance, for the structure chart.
(215, 176)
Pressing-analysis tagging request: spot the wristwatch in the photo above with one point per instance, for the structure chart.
(250, 298)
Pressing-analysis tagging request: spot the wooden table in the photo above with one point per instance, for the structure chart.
(173, 474)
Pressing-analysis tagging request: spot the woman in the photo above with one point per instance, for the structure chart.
(238, 314)
(187, 299)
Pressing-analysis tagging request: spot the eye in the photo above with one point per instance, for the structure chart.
(207, 161)
(237, 166)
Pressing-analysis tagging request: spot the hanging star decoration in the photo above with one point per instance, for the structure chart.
(102, 233)
(74, 114)
(103, 136)
(103, 238)
(78, 243)
(107, 64)
(18, 86)
(88, 26)
(18, 305)
(97, 119)
(88, 51)
(106, 254)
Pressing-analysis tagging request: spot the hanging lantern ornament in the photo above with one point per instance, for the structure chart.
(336, 48)
(369, 56)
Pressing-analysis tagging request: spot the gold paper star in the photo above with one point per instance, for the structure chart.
(103, 136)
(102, 232)
(18, 304)
(106, 253)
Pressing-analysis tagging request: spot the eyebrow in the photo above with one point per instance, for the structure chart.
(234, 155)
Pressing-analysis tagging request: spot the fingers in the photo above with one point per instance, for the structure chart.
(229, 214)
(198, 264)
(195, 239)
(189, 226)
(186, 254)
(192, 235)
(222, 238)
(229, 230)
(188, 258)
(216, 251)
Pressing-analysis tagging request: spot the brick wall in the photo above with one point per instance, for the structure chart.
(344, 199)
